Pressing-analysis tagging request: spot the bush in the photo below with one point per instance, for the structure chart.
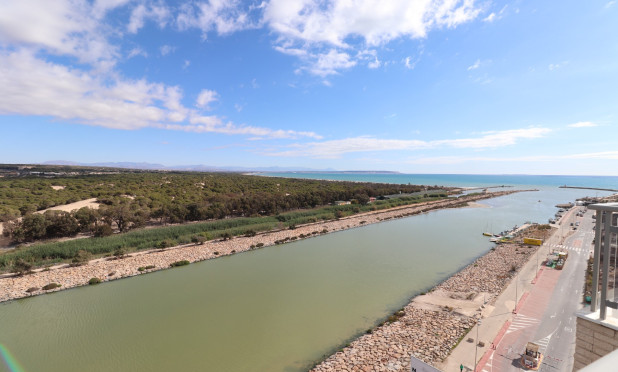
(51, 286)
(166, 244)
(143, 268)
(259, 245)
(94, 281)
(22, 267)
(180, 263)
(81, 258)
(103, 230)
(198, 239)
(120, 253)
(32, 289)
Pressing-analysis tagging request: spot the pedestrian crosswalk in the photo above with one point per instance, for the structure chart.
(570, 248)
(543, 343)
(520, 322)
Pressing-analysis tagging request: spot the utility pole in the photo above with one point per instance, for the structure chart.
(478, 325)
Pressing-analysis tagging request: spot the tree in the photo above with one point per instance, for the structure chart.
(60, 224)
(34, 226)
(87, 218)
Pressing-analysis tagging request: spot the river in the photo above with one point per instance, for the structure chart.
(280, 308)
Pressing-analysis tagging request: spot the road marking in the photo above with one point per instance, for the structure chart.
(521, 322)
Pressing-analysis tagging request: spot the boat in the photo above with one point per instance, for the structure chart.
(487, 234)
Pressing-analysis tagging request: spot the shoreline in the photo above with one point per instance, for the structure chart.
(107, 269)
(432, 324)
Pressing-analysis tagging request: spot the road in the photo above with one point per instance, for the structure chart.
(547, 314)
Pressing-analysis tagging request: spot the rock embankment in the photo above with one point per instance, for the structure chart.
(430, 332)
(12, 287)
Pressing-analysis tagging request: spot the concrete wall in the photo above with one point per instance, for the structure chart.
(593, 341)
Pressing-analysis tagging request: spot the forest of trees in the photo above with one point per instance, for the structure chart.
(135, 199)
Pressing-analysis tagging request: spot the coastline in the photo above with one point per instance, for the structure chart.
(107, 269)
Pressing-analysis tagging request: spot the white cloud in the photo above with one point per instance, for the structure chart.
(307, 27)
(205, 98)
(329, 63)
(31, 86)
(441, 160)
(555, 66)
(335, 148)
(166, 49)
(495, 139)
(474, 66)
(142, 12)
(137, 52)
(582, 124)
(60, 27)
(490, 18)
(407, 63)
(222, 16)
(610, 4)
(375, 63)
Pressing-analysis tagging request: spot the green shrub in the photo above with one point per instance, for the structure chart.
(259, 245)
(166, 244)
(51, 286)
(32, 289)
(179, 263)
(94, 281)
(120, 253)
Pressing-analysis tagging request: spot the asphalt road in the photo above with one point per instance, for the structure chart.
(547, 316)
(557, 326)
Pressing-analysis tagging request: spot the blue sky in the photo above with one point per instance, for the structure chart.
(428, 86)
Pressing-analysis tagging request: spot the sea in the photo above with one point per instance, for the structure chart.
(458, 180)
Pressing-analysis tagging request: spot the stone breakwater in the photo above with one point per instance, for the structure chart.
(105, 269)
(430, 332)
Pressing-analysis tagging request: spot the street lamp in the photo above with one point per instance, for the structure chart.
(476, 347)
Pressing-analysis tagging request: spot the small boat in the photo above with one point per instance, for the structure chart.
(495, 239)
(487, 234)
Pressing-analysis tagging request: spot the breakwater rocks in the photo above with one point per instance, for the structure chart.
(431, 325)
(427, 334)
(105, 269)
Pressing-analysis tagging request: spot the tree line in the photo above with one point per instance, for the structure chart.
(130, 201)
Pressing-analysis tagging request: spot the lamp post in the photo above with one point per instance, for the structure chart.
(476, 347)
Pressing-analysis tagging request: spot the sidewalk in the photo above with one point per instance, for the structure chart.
(493, 322)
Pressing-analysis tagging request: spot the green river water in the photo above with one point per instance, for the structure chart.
(280, 308)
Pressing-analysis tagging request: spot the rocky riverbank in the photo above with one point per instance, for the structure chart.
(105, 269)
(432, 324)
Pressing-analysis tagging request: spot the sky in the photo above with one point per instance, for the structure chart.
(415, 86)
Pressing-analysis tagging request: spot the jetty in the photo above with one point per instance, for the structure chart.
(587, 188)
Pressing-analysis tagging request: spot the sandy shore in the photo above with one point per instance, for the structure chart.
(12, 287)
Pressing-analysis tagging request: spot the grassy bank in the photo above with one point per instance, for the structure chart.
(54, 252)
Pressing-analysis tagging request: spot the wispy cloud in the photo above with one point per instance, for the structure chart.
(475, 65)
(309, 27)
(335, 148)
(32, 86)
(582, 124)
(205, 98)
(441, 160)
(166, 49)
(555, 66)
(609, 4)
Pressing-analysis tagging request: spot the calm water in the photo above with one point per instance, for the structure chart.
(276, 309)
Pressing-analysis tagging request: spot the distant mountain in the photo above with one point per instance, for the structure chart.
(195, 168)
(128, 165)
